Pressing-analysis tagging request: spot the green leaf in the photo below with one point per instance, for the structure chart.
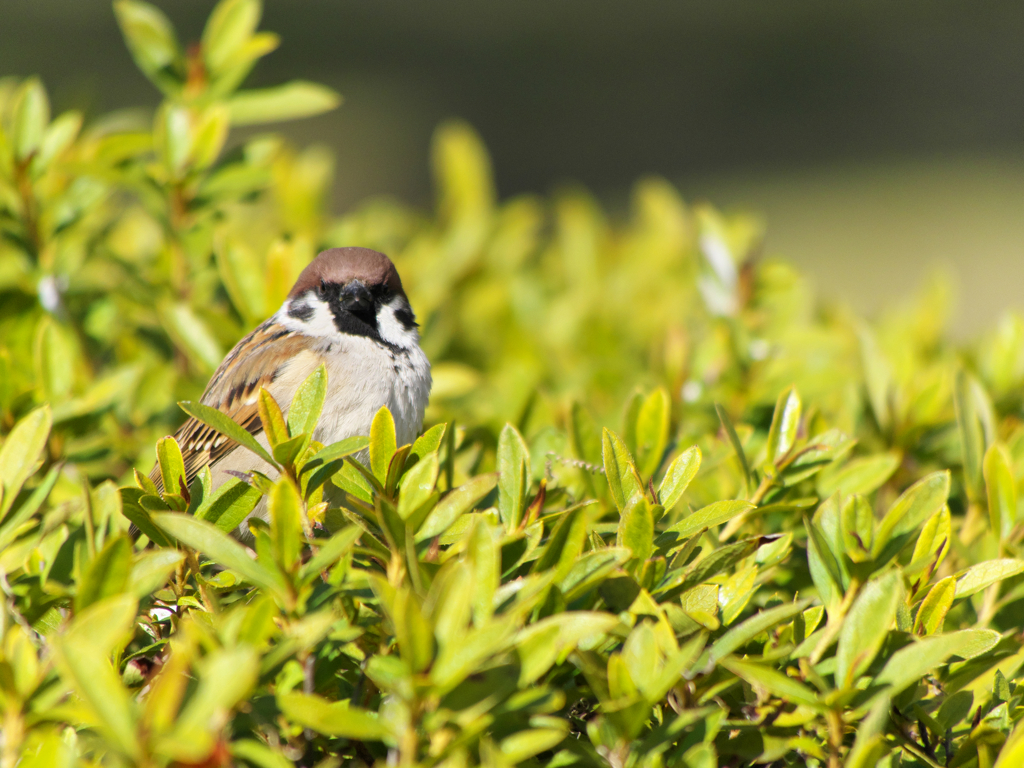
(919, 502)
(1012, 753)
(877, 377)
(773, 681)
(229, 27)
(565, 543)
(190, 332)
(636, 528)
(10, 525)
(743, 633)
(223, 424)
(910, 664)
(228, 676)
(272, 419)
(330, 551)
(308, 402)
(623, 480)
(523, 745)
(230, 504)
(822, 563)
(219, 547)
(285, 509)
(972, 407)
(172, 466)
(150, 38)
(677, 478)
(418, 486)
(934, 607)
(713, 514)
(30, 114)
(332, 719)
(107, 574)
(513, 464)
(586, 441)
(863, 475)
(20, 453)
(982, 575)
(785, 421)
(296, 99)
(428, 442)
(652, 429)
(454, 505)
(676, 583)
(734, 441)
(857, 521)
(591, 569)
(382, 443)
(151, 570)
(335, 451)
(1001, 488)
(866, 626)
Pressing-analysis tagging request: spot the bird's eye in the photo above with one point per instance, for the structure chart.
(323, 286)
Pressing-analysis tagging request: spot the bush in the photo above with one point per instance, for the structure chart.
(799, 546)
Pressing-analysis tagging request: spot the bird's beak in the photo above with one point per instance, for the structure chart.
(356, 298)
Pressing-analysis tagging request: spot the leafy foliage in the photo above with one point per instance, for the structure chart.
(797, 543)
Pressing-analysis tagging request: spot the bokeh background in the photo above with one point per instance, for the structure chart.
(879, 141)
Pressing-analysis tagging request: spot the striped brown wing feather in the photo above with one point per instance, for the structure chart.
(256, 361)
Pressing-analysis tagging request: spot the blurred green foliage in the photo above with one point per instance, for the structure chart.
(668, 509)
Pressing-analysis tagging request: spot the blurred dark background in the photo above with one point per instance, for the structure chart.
(878, 139)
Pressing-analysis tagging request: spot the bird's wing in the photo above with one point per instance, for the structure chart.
(256, 361)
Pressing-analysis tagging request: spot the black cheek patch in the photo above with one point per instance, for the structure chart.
(300, 310)
(406, 318)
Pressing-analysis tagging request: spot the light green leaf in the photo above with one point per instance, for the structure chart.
(863, 475)
(191, 334)
(296, 99)
(743, 633)
(773, 681)
(983, 575)
(513, 464)
(523, 745)
(785, 422)
(20, 453)
(172, 466)
(229, 27)
(713, 514)
(909, 664)
(285, 509)
(677, 478)
(274, 426)
(934, 607)
(30, 114)
(150, 38)
(382, 443)
(623, 480)
(230, 504)
(734, 441)
(330, 551)
(652, 429)
(1001, 488)
(454, 505)
(418, 485)
(151, 570)
(636, 528)
(866, 626)
(915, 505)
(107, 575)
(219, 547)
(308, 402)
(337, 718)
(223, 424)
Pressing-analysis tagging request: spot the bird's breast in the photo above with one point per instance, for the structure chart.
(363, 376)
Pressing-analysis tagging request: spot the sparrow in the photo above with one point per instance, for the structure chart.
(347, 311)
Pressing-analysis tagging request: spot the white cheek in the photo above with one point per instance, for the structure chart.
(320, 324)
(392, 330)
